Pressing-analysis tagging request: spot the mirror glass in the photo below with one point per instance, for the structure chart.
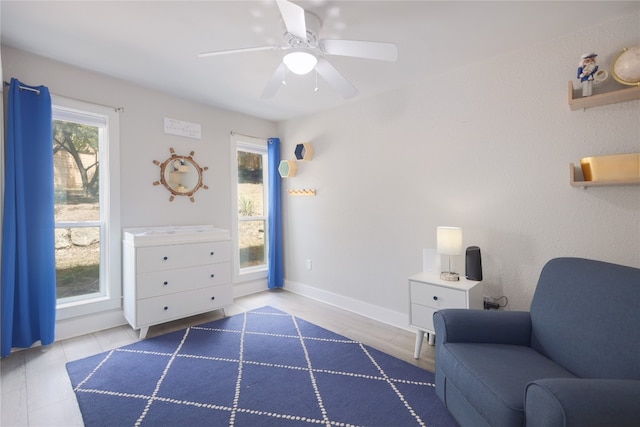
(181, 175)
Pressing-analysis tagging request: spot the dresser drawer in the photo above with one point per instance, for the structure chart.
(179, 280)
(154, 258)
(164, 308)
(437, 296)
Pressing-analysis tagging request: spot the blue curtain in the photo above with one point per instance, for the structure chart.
(28, 253)
(276, 262)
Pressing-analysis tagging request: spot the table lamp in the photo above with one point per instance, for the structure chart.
(449, 242)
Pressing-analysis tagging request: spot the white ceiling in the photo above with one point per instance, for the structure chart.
(156, 43)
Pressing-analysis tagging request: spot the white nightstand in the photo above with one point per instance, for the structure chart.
(428, 294)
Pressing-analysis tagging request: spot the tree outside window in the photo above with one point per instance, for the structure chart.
(77, 208)
(251, 216)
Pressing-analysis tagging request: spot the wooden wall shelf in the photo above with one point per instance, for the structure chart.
(585, 184)
(613, 97)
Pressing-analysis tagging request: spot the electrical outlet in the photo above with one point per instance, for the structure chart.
(308, 264)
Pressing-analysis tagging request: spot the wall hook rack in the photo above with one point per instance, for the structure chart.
(303, 192)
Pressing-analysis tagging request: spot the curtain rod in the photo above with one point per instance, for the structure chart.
(25, 88)
(248, 136)
(116, 109)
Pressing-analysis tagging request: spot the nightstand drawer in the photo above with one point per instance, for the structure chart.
(422, 316)
(437, 296)
(428, 293)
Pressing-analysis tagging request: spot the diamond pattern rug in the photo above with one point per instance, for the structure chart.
(260, 368)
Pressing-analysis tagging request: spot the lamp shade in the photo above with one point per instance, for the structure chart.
(300, 62)
(449, 240)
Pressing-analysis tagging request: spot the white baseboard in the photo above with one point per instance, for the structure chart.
(88, 324)
(381, 314)
(242, 289)
(70, 328)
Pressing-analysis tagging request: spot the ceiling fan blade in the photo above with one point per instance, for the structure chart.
(274, 83)
(382, 51)
(242, 50)
(293, 17)
(335, 79)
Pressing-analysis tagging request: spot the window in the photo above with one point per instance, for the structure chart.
(87, 226)
(250, 182)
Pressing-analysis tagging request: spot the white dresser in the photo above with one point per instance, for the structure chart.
(428, 294)
(174, 272)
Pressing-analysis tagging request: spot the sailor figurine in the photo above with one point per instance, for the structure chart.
(586, 72)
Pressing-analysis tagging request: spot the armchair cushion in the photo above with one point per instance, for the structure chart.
(492, 377)
(579, 302)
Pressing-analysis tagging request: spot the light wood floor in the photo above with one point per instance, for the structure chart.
(36, 390)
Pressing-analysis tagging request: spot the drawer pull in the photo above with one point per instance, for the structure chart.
(166, 308)
(165, 283)
(211, 253)
(212, 275)
(212, 298)
(165, 258)
(435, 298)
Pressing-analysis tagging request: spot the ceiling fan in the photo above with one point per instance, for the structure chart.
(305, 52)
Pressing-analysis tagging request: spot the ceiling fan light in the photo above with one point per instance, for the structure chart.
(300, 62)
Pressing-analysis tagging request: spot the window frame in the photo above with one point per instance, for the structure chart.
(259, 146)
(67, 109)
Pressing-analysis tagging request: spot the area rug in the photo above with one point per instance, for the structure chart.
(260, 368)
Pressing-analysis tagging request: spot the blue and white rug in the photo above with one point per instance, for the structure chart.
(260, 368)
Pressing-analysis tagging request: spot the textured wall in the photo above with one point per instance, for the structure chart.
(486, 148)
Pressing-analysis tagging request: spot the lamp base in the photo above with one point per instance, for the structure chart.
(449, 276)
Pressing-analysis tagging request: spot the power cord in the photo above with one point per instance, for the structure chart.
(506, 301)
(491, 303)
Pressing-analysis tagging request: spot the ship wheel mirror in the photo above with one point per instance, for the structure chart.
(181, 175)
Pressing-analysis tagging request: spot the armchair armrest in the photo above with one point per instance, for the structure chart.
(582, 402)
(482, 326)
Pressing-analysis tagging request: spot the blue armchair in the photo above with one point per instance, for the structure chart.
(572, 360)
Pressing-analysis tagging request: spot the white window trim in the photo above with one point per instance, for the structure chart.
(257, 145)
(2, 172)
(110, 211)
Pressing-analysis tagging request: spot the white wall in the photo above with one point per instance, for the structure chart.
(486, 148)
(142, 140)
